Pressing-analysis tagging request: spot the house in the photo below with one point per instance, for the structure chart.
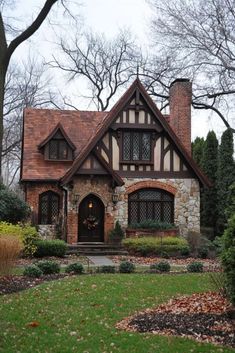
(90, 169)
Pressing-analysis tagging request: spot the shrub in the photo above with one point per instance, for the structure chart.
(155, 245)
(10, 248)
(51, 248)
(228, 258)
(203, 252)
(25, 233)
(107, 269)
(195, 267)
(75, 268)
(126, 267)
(48, 267)
(162, 266)
(32, 271)
(117, 234)
(185, 251)
(149, 224)
(12, 208)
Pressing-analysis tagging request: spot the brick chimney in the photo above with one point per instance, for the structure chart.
(180, 110)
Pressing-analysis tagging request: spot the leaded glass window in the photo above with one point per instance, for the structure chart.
(49, 203)
(58, 149)
(151, 204)
(136, 146)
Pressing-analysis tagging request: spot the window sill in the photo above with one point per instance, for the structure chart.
(137, 162)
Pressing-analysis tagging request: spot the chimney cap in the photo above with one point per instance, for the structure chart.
(179, 80)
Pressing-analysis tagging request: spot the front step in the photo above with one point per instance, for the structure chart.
(96, 249)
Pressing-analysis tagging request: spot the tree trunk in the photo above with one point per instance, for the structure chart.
(2, 85)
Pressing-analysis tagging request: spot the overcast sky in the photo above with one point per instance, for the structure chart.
(105, 16)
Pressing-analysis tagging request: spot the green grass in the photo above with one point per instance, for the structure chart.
(79, 315)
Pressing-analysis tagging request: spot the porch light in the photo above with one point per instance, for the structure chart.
(90, 205)
(115, 197)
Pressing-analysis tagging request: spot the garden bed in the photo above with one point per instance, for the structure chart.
(203, 317)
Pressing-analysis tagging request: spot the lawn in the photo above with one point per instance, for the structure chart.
(78, 314)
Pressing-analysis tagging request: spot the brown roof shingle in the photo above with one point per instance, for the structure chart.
(39, 123)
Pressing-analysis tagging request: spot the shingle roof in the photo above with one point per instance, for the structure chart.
(39, 123)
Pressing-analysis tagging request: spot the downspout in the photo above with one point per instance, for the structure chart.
(65, 207)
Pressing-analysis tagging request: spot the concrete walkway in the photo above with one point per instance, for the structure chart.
(101, 260)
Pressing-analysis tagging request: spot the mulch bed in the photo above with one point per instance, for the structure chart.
(206, 317)
(12, 284)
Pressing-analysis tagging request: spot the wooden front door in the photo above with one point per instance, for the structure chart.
(91, 220)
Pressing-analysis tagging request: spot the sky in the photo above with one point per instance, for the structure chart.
(103, 16)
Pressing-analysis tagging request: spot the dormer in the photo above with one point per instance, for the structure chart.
(57, 146)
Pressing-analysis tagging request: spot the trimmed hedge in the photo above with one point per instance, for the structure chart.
(162, 266)
(126, 267)
(51, 248)
(146, 246)
(75, 268)
(48, 267)
(149, 224)
(32, 271)
(195, 267)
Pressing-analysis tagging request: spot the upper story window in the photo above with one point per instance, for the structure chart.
(58, 149)
(136, 146)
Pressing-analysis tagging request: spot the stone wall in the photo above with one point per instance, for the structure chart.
(187, 200)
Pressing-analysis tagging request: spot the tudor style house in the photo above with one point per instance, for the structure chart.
(90, 169)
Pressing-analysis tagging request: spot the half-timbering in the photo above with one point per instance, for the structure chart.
(87, 170)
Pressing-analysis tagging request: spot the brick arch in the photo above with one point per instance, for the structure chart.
(91, 193)
(151, 184)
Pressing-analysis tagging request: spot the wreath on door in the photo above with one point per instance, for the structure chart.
(91, 222)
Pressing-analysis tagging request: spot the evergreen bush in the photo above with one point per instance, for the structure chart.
(162, 266)
(195, 267)
(48, 267)
(126, 267)
(32, 271)
(75, 268)
(51, 248)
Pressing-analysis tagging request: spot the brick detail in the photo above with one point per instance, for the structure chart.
(32, 196)
(108, 225)
(151, 184)
(180, 111)
(72, 227)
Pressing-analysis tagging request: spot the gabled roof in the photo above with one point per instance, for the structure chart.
(110, 118)
(37, 125)
(57, 128)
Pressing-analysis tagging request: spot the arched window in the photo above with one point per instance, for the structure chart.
(150, 204)
(49, 203)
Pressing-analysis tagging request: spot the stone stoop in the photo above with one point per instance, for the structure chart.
(96, 249)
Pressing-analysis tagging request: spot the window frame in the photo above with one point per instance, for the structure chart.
(49, 201)
(137, 161)
(58, 150)
(146, 201)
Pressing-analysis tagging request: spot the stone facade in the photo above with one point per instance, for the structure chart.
(187, 200)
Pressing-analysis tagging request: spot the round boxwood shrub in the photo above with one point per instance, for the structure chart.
(185, 251)
(50, 248)
(75, 268)
(48, 267)
(32, 271)
(195, 267)
(203, 252)
(126, 267)
(107, 269)
(162, 266)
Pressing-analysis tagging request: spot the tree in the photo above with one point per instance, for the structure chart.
(198, 150)
(26, 85)
(209, 195)
(106, 65)
(197, 40)
(226, 177)
(7, 51)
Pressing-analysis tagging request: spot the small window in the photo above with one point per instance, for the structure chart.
(49, 203)
(136, 146)
(58, 149)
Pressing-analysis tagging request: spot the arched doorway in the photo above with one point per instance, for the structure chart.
(91, 220)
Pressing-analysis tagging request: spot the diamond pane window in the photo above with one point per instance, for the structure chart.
(136, 146)
(151, 204)
(49, 203)
(53, 149)
(146, 147)
(127, 146)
